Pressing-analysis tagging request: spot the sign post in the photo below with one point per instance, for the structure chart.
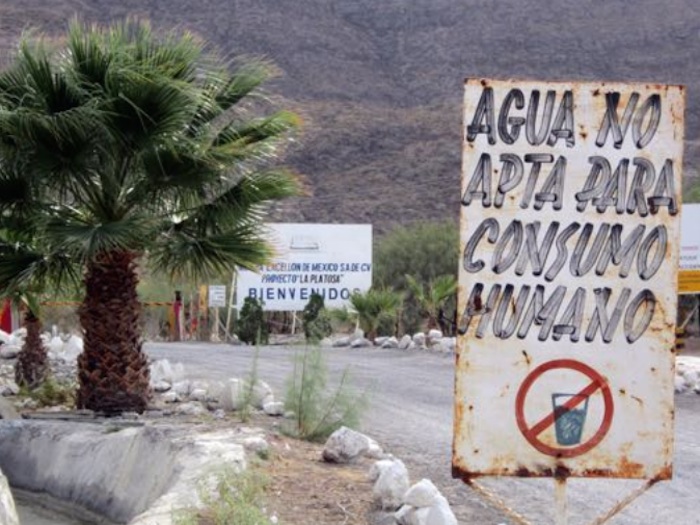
(570, 229)
(217, 299)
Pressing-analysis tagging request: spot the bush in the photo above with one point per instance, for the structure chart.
(51, 393)
(423, 250)
(318, 413)
(238, 498)
(317, 322)
(373, 306)
(251, 327)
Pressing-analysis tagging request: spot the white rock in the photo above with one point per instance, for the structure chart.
(9, 351)
(8, 512)
(375, 450)
(9, 388)
(72, 348)
(360, 342)
(391, 484)
(446, 344)
(391, 342)
(345, 445)
(192, 408)
(171, 397)
(4, 337)
(434, 335)
(183, 387)
(161, 370)
(274, 408)
(233, 394)
(198, 394)
(419, 339)
(326, 342)
(8, 410)
(341, 342)
(255, 444)
(421, 494)
(178, 371)
(56, 345)
(161, 386)
(440, 513)
(379, 341)
(691, 377)
(408, 515)
(405, 342)
(262, 393)
(679, 384)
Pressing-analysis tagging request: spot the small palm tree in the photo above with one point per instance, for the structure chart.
(372, 305)
(132, 145)
(432, 298)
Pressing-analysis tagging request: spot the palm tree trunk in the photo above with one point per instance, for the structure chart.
(32, 367)
(113, 371)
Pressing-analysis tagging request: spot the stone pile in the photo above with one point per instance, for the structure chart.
(687, 378)
(434, 340)
(420, 504)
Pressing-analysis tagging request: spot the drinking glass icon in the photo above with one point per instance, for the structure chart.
(568, 422)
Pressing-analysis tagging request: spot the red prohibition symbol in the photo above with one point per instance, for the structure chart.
(532, 433)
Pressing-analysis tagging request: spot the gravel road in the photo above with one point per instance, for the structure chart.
(411, 416)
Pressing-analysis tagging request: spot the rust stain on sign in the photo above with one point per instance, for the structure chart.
(569, 236)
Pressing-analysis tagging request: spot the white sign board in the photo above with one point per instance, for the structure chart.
(217, 295)
(569, 253)
(689, 275)
(333, 260)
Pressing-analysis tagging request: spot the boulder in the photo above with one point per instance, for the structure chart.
(8, 388)
(160, 386)
(391, 483)
(341, 342)
(419, 339)
(183, 387)
(55, 345)
(360, 342)
(262, 393)
(4, 337)
(72, 348)
(679, 384)
(422, 494)
(171, 397)
(198, 394)
(345, 445)
(8, 512)
(424, 505)
(379, 341)
(256, 444)
(233, 394)
(9, 351)
(405, 342)
(326, 342)
(391, 342)
(274, 408)
(434, 335)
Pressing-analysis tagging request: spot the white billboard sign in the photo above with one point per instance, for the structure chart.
(569, 256)
(333, 260)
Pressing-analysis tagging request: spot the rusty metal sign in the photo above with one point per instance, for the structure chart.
(570, 226)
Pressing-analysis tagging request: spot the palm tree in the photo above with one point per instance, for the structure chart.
(131, 145)
(372, 305)
(432, 298)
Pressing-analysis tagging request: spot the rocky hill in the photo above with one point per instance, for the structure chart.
(379, 82)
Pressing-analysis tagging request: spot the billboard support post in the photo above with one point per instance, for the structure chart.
(562, 517)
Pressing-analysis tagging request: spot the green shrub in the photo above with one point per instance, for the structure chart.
(317, 412)
(317, 322)
(424, 250)
(238, 499)
(373, 306)
(251, 327)
(51, 393)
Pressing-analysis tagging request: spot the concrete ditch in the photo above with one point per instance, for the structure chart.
(136, 475)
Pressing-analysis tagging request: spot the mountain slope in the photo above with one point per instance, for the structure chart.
(380, 82)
